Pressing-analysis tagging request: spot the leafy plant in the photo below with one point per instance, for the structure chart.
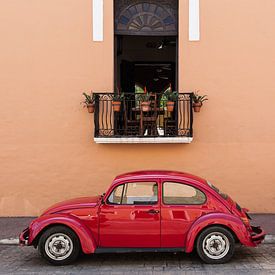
(171, 96)
(89, 99)
(143, 97)
(118, 97)
(199, 98)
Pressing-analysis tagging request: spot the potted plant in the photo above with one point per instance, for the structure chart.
(144, 100)
(89, 102)
(116, 103)
(198, 101)
(171, 99)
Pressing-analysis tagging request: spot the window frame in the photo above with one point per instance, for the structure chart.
(181, 204)
(127, 204)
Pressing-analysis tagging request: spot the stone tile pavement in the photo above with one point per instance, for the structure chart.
(26, 260)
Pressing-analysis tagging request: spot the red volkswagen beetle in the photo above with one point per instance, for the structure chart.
(141, 212)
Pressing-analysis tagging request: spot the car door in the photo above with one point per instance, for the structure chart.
(130, 216)
(181, 205)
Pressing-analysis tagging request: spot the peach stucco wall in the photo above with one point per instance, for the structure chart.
(48, 59)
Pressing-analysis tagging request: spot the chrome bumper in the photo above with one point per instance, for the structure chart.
(24, 237)
(257, 235)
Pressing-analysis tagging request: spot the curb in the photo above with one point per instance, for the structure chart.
(10, 241)
(269, 239)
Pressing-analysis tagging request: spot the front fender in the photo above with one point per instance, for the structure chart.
(84, 234)
(224, 219)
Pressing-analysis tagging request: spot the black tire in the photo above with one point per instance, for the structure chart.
(213, 239)
(59, 237)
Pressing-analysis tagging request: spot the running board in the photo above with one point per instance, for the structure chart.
(136, 250)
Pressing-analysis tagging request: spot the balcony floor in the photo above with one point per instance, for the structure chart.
(136, 140)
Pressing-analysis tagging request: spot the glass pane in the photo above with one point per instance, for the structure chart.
(145, 193)
(178, 193)
(115, 197)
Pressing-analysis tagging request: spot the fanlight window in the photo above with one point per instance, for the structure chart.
(146, 18)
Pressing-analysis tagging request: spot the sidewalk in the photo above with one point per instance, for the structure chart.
(246, 260)
(12, 227)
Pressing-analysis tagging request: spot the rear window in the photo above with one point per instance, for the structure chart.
(223, 195)
(179, 193)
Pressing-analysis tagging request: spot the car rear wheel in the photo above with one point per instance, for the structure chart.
(59, 245)
(215, 245)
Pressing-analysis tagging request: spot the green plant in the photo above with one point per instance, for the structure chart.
(118, 97)
(198, 98)
(89, 99)
(171, 96)
(143, 97)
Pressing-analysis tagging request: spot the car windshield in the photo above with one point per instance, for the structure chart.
(225, 196)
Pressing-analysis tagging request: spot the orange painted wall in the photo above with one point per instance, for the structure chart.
(48, 59)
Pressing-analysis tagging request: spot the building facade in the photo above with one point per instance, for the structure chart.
(52, 51)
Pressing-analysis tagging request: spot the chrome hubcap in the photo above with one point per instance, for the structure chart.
(216, 245)
(58, 246)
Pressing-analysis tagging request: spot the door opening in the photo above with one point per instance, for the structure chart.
(145, 61)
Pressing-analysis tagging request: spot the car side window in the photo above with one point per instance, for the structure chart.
(180, 193)
(135, 193)
(116, 195)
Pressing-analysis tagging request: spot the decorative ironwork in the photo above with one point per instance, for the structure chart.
(132, 121)
(151, 17)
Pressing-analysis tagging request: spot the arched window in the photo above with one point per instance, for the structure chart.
(151, 17)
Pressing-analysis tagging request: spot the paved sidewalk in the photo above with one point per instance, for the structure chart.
(26, 260)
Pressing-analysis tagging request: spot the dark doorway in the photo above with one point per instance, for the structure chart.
(145, 61)
(145, 44)
(146, 35)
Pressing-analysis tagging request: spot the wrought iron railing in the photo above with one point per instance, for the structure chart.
(133, 119)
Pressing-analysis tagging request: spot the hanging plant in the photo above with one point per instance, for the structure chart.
(198, 101)
(171, 97)
(89, 102)
(144, 100)
(116, 103)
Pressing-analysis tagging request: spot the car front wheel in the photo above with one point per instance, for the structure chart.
(215, 245)
(59, 245)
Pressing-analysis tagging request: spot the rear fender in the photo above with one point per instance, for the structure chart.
(84, 234)
(226, 220)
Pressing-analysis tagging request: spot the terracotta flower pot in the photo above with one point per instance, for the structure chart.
(91, 108)
(116, 106)
(170, 106)
(145, 106)
(197, 107)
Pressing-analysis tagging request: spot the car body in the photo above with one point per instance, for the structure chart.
(145, 211)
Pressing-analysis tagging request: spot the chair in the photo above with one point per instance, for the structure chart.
(131, 123)
(150, 118)
(170, 124)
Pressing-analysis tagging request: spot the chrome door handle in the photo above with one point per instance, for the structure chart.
(153, 211)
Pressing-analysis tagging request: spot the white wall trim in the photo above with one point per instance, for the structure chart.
(143, 140)
(98, 19)
(194, 20)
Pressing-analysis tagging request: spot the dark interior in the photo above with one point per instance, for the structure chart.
(145, 61)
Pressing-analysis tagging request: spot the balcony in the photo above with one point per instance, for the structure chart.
(136, 123)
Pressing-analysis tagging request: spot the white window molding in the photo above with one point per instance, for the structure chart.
(194, 20)
(98, 20)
